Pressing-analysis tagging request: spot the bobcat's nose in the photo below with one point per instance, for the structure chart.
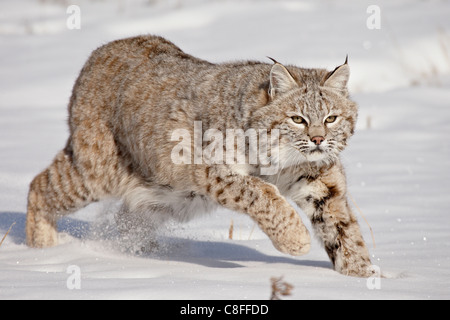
(317, 140)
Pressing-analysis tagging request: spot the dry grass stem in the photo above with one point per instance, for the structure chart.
(230, 231)
(362, 215)
(280, 288)
(4, 237)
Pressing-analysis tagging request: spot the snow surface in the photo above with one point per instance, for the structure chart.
(397, 163)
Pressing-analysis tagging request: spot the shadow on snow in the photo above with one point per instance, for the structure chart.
(213, 254)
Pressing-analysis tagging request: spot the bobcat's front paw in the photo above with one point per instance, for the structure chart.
(293, 240)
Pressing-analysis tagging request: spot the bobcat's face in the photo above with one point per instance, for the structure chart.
(316, 125)
(314, 115)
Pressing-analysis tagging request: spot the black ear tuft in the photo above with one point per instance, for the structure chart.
(274, 61)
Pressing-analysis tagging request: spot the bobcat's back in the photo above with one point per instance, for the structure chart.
(142, 89)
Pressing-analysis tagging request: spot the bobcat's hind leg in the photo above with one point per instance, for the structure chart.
(86, 170)
(56, 191)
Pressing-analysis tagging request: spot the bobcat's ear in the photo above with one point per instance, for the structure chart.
(338, 78)
(281, 80)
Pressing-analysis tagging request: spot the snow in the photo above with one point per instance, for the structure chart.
(398, 162)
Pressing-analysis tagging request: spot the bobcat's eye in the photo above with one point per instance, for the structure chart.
(330, 119)
(298, 119)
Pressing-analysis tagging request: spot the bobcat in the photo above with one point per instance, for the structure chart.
(130, 97)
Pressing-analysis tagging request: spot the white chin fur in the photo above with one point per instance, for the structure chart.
(316, 156)
(289, 157)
